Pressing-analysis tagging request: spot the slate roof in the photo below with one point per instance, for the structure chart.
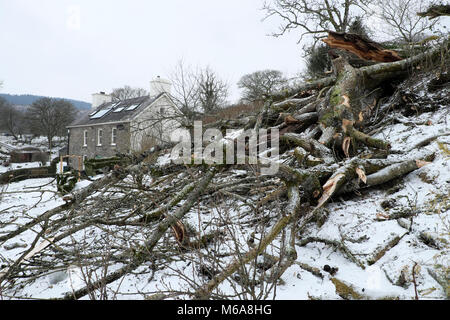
(121, 115)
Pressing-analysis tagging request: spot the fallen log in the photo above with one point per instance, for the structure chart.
(293, 208)
(292, 103)
(303, 87)
(388, 173)
(146, 249)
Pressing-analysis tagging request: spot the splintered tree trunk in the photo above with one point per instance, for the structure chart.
(362, 47)
(354, 96)
(351, 101)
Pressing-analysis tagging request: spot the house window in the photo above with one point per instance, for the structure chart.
(99, 137)
(162, 110)
(85, 137)
(113, 136)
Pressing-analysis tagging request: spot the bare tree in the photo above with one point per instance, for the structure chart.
(314, 17)
(401, 19)
(185, 90)
(49, 117)
(12, 119)
(65, 112)
(127, 92)
(212, 91)
(260, 84)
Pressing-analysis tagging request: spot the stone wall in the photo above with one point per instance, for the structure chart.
(92, 149)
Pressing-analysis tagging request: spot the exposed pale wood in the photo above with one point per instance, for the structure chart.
(362, 47)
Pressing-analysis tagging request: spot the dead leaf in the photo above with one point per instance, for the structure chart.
(417, 269)
(179, 231)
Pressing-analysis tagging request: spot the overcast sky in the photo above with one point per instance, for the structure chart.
(73, 48)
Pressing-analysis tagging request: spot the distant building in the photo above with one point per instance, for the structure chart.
(28, 154)
(127, 126)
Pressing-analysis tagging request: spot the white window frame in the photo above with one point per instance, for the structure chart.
(85, 138)
(114, 136)
(99, 137)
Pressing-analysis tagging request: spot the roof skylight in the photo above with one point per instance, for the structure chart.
(119, 109)
(132, 107)
(102, 112)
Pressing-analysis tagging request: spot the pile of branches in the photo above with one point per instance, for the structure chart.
(326, 150)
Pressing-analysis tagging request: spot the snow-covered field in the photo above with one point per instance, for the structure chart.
(384, 243)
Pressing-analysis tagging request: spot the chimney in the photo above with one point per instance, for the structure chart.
(100, 98)
(159, 85)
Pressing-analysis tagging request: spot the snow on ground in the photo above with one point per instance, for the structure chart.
(388, 249)
(20, 202)
(15, 166)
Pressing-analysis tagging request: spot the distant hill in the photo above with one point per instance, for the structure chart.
(28, 99)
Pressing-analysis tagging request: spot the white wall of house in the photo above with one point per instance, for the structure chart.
(154, 122)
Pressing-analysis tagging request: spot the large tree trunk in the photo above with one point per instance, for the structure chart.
(352, 99)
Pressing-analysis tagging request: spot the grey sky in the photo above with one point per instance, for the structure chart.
(72, 48)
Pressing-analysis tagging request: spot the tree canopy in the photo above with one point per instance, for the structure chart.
(258, 85)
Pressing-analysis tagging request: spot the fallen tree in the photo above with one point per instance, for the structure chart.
(327, 151)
